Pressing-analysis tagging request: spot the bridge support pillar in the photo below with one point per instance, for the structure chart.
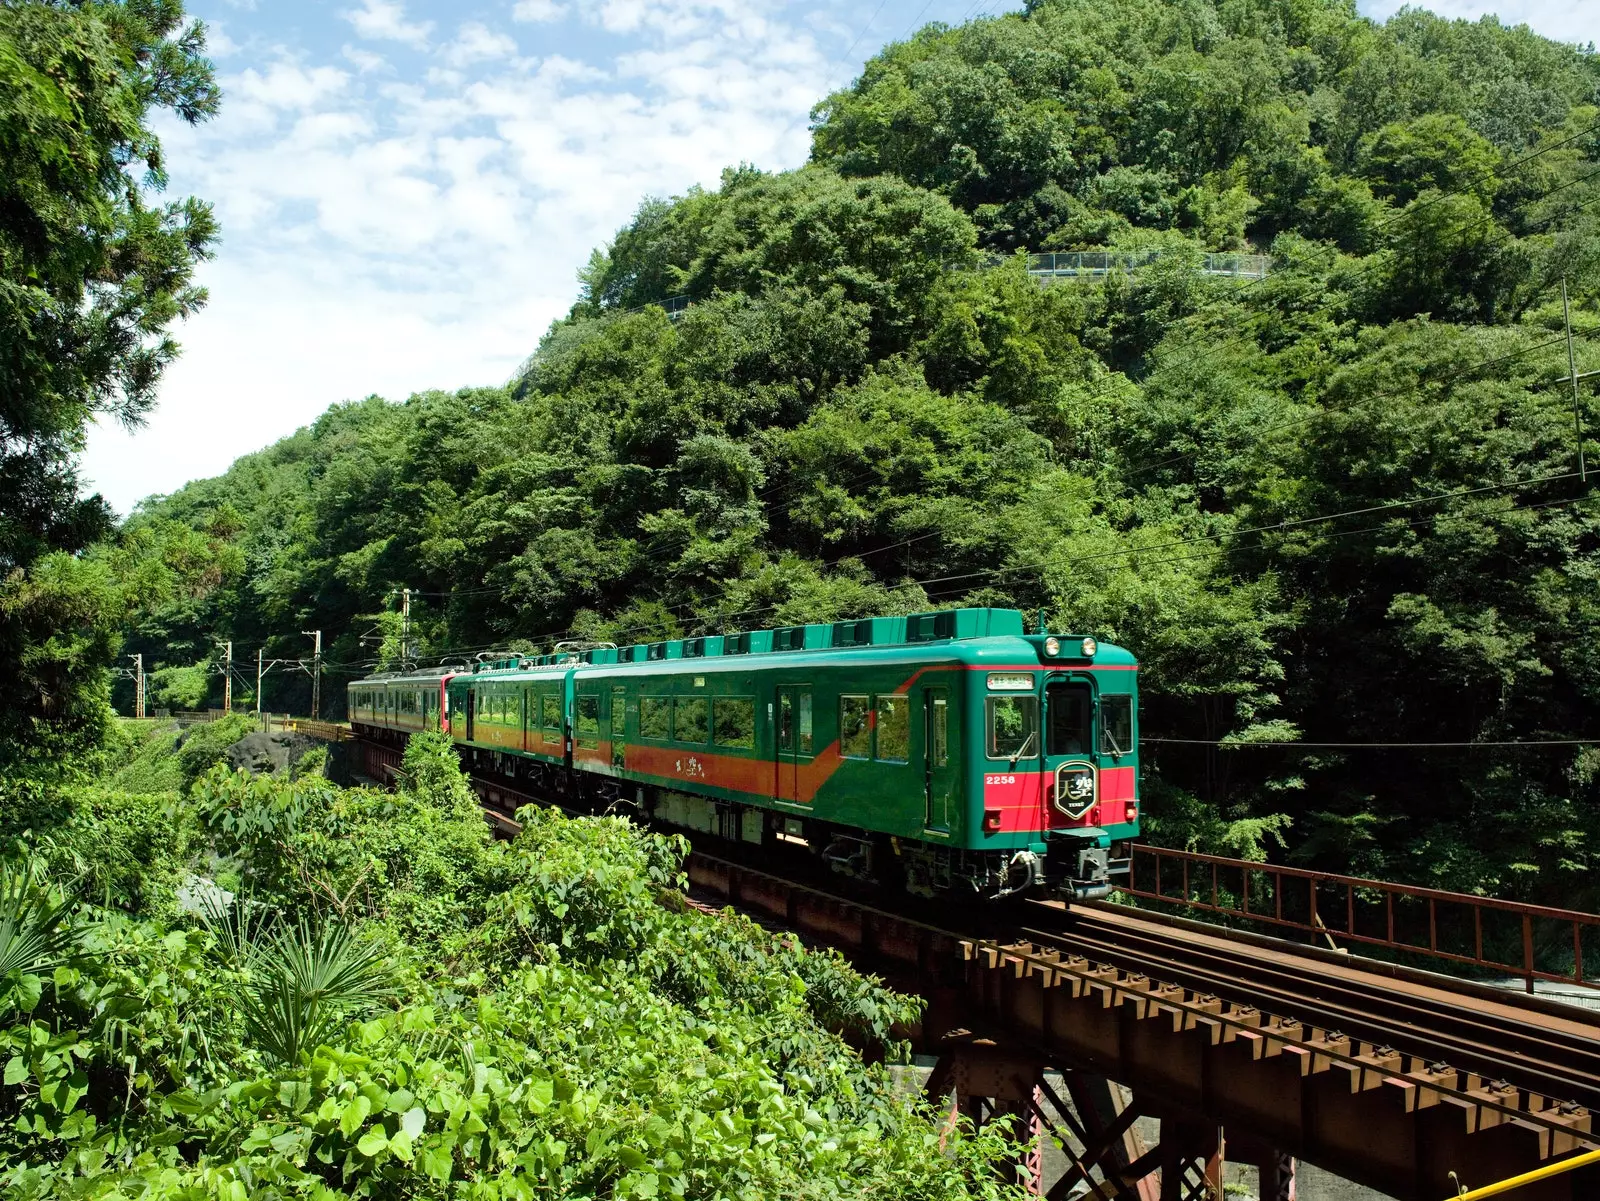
(1193, 1156)
(986, 1082)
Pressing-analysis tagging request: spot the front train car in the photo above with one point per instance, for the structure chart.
(1052, 762)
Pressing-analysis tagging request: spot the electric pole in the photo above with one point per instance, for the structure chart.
(405, 629)
(260, 651)
(1572, 370)
(227, 678)
(138, 685)
(316, 674)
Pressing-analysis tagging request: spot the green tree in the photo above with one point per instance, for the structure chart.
(93, 271)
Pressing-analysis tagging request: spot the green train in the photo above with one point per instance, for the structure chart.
(945, 753)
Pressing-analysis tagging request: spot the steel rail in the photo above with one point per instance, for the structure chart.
(1539, 1057)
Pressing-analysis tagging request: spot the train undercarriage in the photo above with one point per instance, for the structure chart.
(1071, 868)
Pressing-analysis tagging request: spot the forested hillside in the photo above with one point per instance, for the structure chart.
(1335, 507)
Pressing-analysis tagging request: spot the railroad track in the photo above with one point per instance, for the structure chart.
(1500, 1040)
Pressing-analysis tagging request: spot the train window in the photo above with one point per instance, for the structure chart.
(804, 721)
(1013, 726)
(655, 717)
(690, 719)
(619, 713)
(733, 721)
(1068, 706)
(588, 719)
(550, 711)
(1116, 725)
(894, 729)
(855, 727)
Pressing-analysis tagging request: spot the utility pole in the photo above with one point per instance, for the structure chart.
(227, 678)
(316, 674)
(138, 685)
(405, 629)
(1572, 371)
(260, 651)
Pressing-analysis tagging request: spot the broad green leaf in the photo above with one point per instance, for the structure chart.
(355, 1113)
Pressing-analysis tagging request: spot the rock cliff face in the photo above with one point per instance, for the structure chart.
(269, 754)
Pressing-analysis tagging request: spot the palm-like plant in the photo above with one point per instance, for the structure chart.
(303, 980)
(33, 934)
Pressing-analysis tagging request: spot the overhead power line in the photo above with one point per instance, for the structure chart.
(1244, 744)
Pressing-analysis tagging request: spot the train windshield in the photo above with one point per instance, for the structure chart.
(1013, 726)
(1069, 715)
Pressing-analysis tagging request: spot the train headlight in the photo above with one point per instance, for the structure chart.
(1089, 648)
(1052, 646)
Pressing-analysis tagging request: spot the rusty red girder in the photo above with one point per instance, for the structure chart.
(1395, 1121)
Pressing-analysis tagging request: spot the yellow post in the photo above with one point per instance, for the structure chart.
(1544, 1173)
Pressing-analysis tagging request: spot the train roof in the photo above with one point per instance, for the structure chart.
(981, 634)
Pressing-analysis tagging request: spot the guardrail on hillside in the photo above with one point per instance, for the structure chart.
(1074, 263)
(1044, 266)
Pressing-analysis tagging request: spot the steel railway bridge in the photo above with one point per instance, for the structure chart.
(1259, 1049)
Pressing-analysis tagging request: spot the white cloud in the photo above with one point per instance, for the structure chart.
(1564, 20)
(385, 20)
(538, 10)
(218, 43)
(476, 42)
(363, 60)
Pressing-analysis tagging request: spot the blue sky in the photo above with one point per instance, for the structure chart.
(407, 188)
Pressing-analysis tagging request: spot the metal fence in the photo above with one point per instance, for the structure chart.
(1534, 942)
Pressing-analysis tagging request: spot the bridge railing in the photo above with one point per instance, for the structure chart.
(326, 731)
(1534, 942)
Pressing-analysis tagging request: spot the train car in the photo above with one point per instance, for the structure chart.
(392, 706)
(945, 753)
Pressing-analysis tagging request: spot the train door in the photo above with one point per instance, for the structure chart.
(472, 713)
(1071, 784)
(619, 725)
(938, 773)
(795, 741)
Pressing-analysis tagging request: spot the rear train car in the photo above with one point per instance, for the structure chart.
(944, 753)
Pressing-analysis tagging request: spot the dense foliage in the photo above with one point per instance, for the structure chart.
(1332, 506)
(370, 998)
